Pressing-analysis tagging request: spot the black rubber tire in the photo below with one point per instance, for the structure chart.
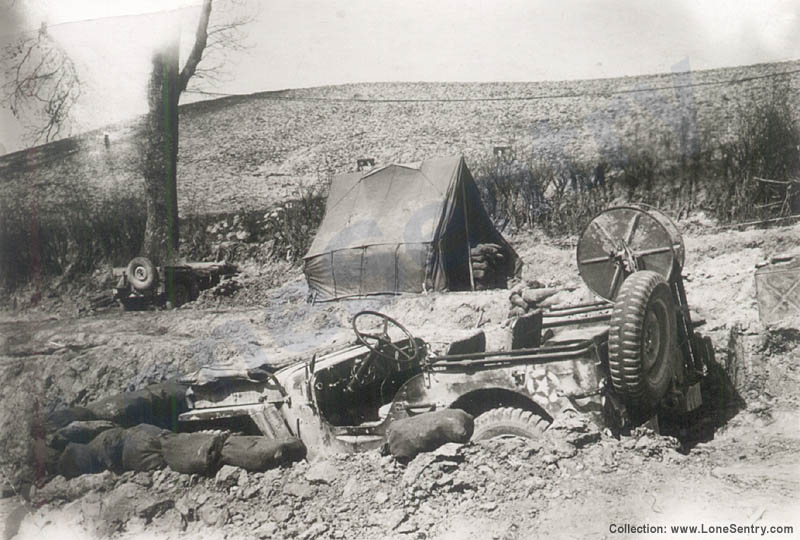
(509, 421)
(642, 339)
(141, 273)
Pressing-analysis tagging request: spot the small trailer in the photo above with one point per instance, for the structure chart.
(142, 284)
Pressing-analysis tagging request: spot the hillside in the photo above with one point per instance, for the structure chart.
(246, 152)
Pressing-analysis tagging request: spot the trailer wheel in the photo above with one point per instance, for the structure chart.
(508, 421)
(141, 273)
(641, 339)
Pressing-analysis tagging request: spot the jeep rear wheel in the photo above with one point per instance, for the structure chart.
(641, 339)
(509, 421)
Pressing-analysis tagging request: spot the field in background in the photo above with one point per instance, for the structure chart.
(253, 169)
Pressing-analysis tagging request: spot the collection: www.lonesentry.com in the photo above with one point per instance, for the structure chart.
(701, 528)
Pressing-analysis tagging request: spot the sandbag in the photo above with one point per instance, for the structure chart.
(193, 453)
(126, 409)
(256, 453)
(108, 448)
(158, 404)
(141, 448)
(167, 401)
(428, 431)
(79, 432)
(78, 459)
(62, 417)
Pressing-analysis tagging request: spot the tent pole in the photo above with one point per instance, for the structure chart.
(466, 228)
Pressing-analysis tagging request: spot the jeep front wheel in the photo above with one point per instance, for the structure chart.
(509, 421)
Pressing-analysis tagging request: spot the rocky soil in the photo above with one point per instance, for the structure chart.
(738, 465)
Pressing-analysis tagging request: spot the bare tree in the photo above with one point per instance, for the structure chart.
(41, 85)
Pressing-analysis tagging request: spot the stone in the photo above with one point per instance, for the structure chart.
(213, 517)
(322, 472)
(301, 490)
(351, 488)
(449, 451)
(282, 513)
(315, 531)
(266, 530)
(170, 520)
(150, 507)
(394, 518)
(228, 476)
(381, 497)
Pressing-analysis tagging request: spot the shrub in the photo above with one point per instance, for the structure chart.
(69, 237)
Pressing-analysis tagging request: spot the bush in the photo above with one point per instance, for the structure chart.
(69, 237)
(753, 175)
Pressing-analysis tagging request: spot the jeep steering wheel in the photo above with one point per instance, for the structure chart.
(381, 344)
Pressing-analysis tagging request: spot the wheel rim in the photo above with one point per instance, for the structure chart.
(140, 273)
(653, 340)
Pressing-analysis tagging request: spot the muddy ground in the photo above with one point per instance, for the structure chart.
(739, 466)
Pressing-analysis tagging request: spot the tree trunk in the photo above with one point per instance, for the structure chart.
(158, 150)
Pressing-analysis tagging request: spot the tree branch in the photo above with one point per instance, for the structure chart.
(201, 37)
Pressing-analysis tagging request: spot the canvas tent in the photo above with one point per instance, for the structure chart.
(402, 228)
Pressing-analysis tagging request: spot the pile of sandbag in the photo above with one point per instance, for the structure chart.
(527, 297)
(135, 431)
(488, 263)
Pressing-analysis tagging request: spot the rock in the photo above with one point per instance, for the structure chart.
(143, 479)
(170, 520)
(301, 490)
(57, 488)
(249, 491)
(315, 531)
(244, 478)
(550, 459)
(416, 468)
(351, 488)
(268, 529)
(536, 296)
(322, 472)
(282, 513)
(394, 518)
(449, 451)
(103, 481)
(213, 517)
(381, 498)
(185, 506)
(120, 504)
(150, 507)
(228, 476)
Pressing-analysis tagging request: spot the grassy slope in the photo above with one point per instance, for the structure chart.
(248, 152)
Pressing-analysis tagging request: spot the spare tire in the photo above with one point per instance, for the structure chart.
(642, 339)
(141, 273)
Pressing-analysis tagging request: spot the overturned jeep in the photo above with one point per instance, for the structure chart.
(141, 283)
(629, 356)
